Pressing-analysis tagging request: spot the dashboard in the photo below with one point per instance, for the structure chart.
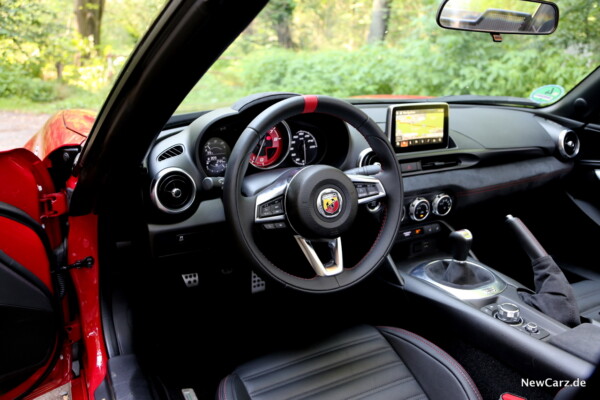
(488, 151)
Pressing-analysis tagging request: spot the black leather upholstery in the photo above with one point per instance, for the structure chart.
(362, 363)
(587, 295)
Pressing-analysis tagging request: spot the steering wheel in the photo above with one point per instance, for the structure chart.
(318, 202)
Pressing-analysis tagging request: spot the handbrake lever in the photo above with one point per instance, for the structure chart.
(528, 242)
(554, 295)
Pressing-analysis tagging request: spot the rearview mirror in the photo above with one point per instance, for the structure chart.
(526, 17)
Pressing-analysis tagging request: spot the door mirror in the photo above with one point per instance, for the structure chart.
(527, 17)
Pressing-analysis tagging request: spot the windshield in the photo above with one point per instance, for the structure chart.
(361, 49)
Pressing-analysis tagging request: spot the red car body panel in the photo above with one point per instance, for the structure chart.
(83, 242)
(26, 184)
(65, 128)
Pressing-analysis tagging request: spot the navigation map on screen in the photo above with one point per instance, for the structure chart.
(419, 127)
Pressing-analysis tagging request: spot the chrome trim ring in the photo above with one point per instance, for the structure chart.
(412, 209)
(436, 203)
(561, 144)
(362, 155)
(154, 191)
(491, 289)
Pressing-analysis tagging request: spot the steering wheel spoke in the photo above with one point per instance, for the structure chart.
(332, 267)
(368, 188)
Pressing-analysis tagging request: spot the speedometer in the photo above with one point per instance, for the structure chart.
(303, 148)
(272, 148)
(214, 157)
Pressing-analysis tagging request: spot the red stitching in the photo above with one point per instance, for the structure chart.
(443, 354)
(492, 188)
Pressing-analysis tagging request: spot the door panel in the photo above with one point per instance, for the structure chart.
(28, 332)
(30, 320)
(26, 184)
(22, 239)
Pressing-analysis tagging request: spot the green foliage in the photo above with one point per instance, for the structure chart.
(418, 58)
(278, 11)
(329, 55)
(43, 58)
(336, 72)
(14, 84)
(124, 22)
(24, 21)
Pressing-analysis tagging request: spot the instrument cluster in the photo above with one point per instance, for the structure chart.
(286, 144)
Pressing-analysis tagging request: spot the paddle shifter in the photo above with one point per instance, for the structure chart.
(554, 295)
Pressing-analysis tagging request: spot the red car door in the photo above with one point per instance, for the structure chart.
(36, 338)
(30, 313)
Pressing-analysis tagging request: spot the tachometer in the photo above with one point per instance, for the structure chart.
(214, 157)
(272, 148)
(303, 148)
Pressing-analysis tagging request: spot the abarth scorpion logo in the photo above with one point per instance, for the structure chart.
(329, 203)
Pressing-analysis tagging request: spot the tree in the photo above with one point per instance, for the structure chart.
(379, 21)
(89, 18)
(280, 13)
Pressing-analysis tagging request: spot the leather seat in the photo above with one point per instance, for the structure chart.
(364, 362)
(587, 295)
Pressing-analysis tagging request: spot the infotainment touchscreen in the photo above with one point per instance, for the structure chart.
(416, 127)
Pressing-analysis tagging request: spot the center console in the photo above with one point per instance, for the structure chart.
(538, 333)
(438, 270)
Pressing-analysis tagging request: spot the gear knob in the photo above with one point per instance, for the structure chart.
(460, 244)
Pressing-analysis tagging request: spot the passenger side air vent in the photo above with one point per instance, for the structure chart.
(173, 191)
(171, 152)
(568, 144)
(367, 157)
(429, 164)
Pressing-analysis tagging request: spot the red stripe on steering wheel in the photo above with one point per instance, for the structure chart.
(310, 104)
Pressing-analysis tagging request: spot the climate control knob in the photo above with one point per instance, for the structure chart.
(442, 204)
(509, 313)
(419, 209)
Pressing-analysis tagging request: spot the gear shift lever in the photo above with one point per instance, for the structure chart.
(458, 272)
(460, 244)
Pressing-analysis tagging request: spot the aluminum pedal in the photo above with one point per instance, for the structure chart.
(191, 280)
(258, 284)
(189, 394)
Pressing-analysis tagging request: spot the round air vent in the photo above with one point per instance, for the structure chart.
(173, 190)
(367, 157)
(568, 144)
